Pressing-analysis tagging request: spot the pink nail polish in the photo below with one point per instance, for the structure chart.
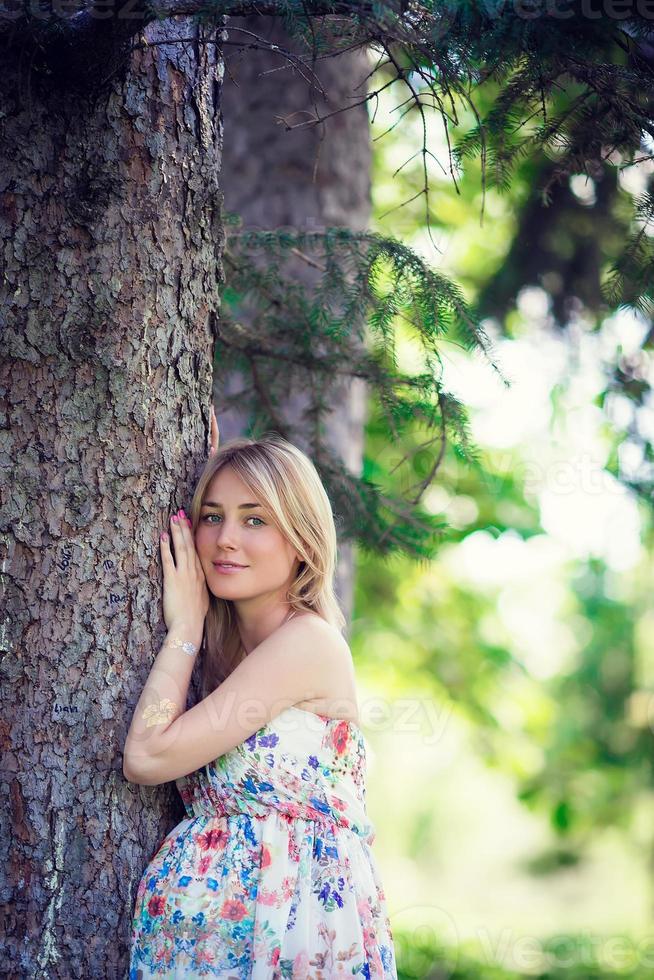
(174, 518)
(182, 514)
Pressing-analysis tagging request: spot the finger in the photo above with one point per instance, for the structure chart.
(178, 536)
(185, 527)
(166, 554)
(215, 433)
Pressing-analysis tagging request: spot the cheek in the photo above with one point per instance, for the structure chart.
(200, 536)
(283, 551)
(266, 545)
(260, 544)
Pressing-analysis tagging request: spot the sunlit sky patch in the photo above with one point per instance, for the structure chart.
(527, 579)
(559, 453)
(583, 188)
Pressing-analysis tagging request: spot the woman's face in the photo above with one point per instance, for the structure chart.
(228, 531)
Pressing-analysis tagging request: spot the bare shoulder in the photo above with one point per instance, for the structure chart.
(334, 680)
(326, 637)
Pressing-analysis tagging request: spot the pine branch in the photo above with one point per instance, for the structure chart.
(366, 282)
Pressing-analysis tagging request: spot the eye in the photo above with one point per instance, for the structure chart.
(207, 518)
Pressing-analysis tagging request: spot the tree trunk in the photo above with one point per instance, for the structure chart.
(304, 179)
(110, 241)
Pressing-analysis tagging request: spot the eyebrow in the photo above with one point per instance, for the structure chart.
(210, 503)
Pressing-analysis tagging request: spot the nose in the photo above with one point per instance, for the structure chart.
(225, 534)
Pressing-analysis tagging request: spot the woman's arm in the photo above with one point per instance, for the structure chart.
(163, 698)
(186, 602)
(293, 664)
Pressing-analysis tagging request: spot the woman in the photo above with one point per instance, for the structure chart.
(271, 873)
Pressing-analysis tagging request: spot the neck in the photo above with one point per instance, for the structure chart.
(256, 627)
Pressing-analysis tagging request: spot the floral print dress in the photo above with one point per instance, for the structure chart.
(271, 873)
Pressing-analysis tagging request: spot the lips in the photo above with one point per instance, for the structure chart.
(228, 564)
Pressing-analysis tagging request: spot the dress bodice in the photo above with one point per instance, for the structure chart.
(302, 764)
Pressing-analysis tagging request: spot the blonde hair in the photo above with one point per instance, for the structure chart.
(287, 484)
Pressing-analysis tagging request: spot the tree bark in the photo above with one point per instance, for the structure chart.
(305, 179)
(110, 242)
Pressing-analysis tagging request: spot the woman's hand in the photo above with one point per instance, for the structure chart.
(185, 593)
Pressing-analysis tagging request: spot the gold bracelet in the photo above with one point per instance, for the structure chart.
(186, 646)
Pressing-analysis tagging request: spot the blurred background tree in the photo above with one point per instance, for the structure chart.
(523, 804)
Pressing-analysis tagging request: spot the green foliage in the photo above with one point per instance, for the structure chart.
(421, 956)
(577, 756)
(528, 98)
(576, 87)
(595, 758)
(341, 323)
